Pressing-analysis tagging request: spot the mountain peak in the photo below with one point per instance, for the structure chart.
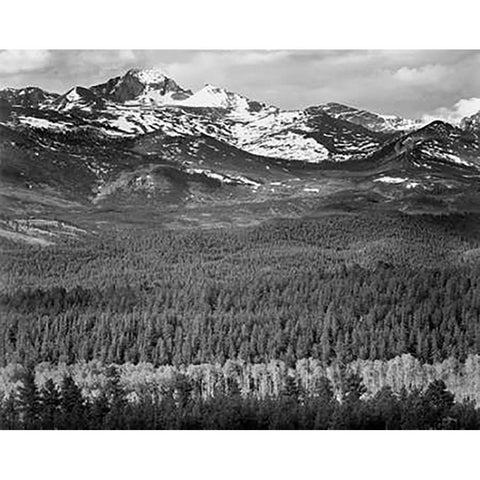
(78, 98)
(78, 93)
(27, 96)
(148, 76)
(144, 86)
(212, 96)
(214, 88)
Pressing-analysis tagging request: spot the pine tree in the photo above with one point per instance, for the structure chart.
(115, 393)
(29, 401)
(183, 389)
(72, 405)
(438, 403)
(50, 405)
(9, 419)
(291, 389)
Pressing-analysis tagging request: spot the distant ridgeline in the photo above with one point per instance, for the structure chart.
(393, 297)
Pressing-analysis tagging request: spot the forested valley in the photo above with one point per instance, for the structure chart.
(392, 301)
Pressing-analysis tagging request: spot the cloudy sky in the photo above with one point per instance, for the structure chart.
(415, 83)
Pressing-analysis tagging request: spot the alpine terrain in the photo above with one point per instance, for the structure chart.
(199, 259)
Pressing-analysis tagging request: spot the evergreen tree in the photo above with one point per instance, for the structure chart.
(72, 405)
(9, 413)
(29, 401)
(438, 405)
(49, 405)
(115, 393)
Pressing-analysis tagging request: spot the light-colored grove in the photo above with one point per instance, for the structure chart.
(264, 379)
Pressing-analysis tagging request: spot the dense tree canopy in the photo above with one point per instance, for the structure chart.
(178, 407)
(337, 288)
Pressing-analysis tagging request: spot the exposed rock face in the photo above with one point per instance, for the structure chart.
(471, 123)
(78, 98)
(28, 97)
(120, 89)
(5, 110)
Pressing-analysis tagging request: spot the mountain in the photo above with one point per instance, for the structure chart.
(216, 97)
(438, 156)
(142, 86)
(78, 98)
(139, 146)
(436, 143)
(257, 128)
(309, 136)
(369, 120)
(29, 97)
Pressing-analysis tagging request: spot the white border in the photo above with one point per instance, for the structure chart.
(239, 455)
(249, 24)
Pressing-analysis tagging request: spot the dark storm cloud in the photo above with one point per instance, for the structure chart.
(409, 83)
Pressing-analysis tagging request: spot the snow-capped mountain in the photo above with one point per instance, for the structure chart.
(370, 120)
(146, 101)
(215, 97)
(141, 139)
(438, 157)
(149, 87)
(306, 135)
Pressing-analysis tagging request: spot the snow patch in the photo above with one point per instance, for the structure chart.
(393, 180)
(215, 97)
(289, 146)
(43, 123)
(443, 155)
(149, 76)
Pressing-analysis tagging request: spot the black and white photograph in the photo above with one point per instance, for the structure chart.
(239, 239)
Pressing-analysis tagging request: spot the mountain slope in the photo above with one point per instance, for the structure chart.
(215, 97)
(436, 158)
(141, 145)
(369, 120)
(78, 98)
(29, 97)
(309, 135)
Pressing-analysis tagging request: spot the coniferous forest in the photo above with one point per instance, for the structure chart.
(342, 321)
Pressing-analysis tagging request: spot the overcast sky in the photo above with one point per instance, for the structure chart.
(437, 83)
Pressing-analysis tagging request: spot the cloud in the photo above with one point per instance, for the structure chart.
(463, 108)
(426, 74)
(21, 61)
